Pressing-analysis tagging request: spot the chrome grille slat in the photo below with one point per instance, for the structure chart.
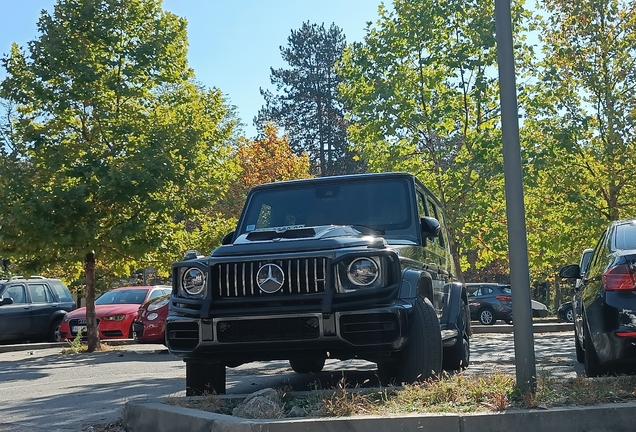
(302, 276)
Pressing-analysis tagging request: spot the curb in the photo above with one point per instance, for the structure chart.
(160, 417)
(536, 328)
(45, 345)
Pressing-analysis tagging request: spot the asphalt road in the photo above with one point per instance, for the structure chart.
(44, 390)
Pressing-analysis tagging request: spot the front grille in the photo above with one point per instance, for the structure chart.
(271, 329)
(369, 329)
(78, 322)
(182, 336)
(238, 280)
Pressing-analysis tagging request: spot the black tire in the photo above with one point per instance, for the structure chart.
(307, 365)
(204, 377)
(421, 358)
(457, 356)
(593, 367)
(54, 331)
(487, 316)
(580, 354)
(569, 315)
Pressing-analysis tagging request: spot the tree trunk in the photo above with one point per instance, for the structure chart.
(91, 319)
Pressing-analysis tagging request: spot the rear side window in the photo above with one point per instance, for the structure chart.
(39, 293)
(625, 237)
(62, 292)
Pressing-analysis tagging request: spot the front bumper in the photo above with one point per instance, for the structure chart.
(370, 333)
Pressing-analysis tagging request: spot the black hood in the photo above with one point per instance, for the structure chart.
(296, 239)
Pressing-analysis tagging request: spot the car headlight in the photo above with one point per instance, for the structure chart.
(193, 282)
(152, 316)
(114, 318)
(157, 305)
(363, 272)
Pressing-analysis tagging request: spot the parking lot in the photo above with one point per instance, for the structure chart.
(44, 390)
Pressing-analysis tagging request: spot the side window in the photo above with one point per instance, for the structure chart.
(62, 291)
(599, 251)
(437, 215)
(39, 293)
(421, 208)
(15, 292)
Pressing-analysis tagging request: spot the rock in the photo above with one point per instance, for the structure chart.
(262, 404)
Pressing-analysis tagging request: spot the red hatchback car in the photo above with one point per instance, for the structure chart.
(115, 309)
(149, 325)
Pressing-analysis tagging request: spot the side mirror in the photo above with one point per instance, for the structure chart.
(430, 227)
(227, 239)
(570, 271)
(6, 301)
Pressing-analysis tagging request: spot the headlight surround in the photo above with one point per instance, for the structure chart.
(157, 305)
(361, 272)
(114, 318)
(193, 281)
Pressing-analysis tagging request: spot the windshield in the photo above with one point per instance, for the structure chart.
(381, 204)
(133, 296)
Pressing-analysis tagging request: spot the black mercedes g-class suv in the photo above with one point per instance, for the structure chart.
(336, 267)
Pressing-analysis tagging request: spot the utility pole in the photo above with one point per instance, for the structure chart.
(526, 373)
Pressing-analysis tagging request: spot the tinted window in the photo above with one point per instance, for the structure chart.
(62, 291)
(39, 293)
(625, 237)
(15, 292)
(133, 296)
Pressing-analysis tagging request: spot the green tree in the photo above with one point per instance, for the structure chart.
(112, 148)
(422, 87)
(579, 131)
(306, 105)
(263, 160)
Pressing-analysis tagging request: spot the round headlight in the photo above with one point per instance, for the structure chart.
(363, 271)
(193, 281)
(152, 316)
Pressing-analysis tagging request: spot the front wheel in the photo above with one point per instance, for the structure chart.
(569, 315)
(421, 358)
(457, 356)
(487, 316)
(54, 331)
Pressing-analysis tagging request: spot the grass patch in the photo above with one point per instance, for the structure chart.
(77, 346)
(450, 393)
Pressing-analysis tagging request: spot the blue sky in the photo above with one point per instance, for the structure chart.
(233, 43)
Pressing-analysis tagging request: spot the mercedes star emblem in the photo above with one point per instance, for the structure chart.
(270, 278)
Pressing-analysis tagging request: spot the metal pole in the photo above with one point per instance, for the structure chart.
(515, 210)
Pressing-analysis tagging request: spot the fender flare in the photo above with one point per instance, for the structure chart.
(417, 282)
(456, 304)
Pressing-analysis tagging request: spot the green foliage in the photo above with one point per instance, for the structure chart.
(307, 104)
(111, 146)
(424, 94)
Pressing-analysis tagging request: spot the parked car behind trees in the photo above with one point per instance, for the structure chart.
(604, 303)
(115, 311)
(33, 308)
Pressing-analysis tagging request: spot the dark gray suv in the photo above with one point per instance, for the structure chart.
(328, 268)
(32, 309)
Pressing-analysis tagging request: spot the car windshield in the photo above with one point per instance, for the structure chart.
(132, 296)
(381, 204)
